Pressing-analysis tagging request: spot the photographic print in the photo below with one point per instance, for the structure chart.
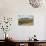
(25, 21)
